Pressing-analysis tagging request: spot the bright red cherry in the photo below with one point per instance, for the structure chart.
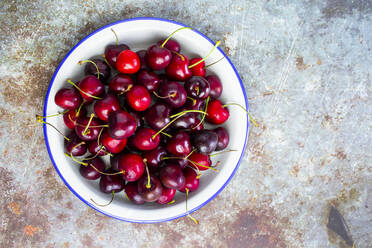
(113, 145)
(199, 69)
(105, 106)
(133, 166)
(112, 52)
(121, 124)
(216, 113)
(179, 144)
(92, 86)
(191, 180)
(138, 98)
(143, 139)
(167, 195)
(178, 68)
(200, 159)
(68, 98)
(128, 62)
(158, 57)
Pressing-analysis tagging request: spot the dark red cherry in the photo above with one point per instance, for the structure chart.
(148, 79)
(121, 124)
(158, 57)
(92, 86)
(113, 51)
(108, 104)
(75, 146)
(131, 190)
(178, 68)
(173, 93)
(103, 68)
(133, 166)
(197, 87)
(186, 121)
(223, 138)
(154, 192)
(216, 113)
(200, 159)
(114, 161)
(195, 104)
(215, 85)
(143, 140)
(137, 117)
(157, 116)
(171, 45)
(68, 98)
(94, 148)
(89, 172)
(138, 98)
(179, 144)
(120, 84)
(71, 116)
(113, 145)
(167, 195)
(191, 180)
(109, 183)
(181, 162)
(155, 157)
(142, 56)
(197, 126)
(204, 141)
(171, 176)
(199, 69)
(128, 62)
(92, 131)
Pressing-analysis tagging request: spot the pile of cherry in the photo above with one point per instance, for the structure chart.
(148, 117)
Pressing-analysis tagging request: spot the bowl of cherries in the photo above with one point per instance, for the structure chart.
(145, 120)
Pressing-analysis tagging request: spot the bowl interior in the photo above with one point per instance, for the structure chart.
(139, 34)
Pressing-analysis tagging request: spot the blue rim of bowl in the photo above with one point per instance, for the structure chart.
(47, 141)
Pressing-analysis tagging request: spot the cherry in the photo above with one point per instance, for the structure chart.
(223, 138)
(68, 98)
(111, 183)
(121, 124)
(90, 88)
(143, 139)
(186, 121)
(200, 159)
(131, 190)
(152, 193)
(158, 57)
(128, 62)
(154, 157)
(171, 45)
(88, 132)
(113, 145)
(172, 177)
(142, 56)
(216, 113)
(108, 104)
(113, 51)
(133, 166)
(71, 116)
(191, 180)
(166, 196)
(89, 172)
(178, 68)
(197, 87)
(199, 69)
(179, 144)
(75, 146)
(194, 104)
(138, 98)
(197, 126)
(173, 93)
(96, 149)
(120, 84)
(103, 69)
(215, 85)
(114, 161)
(137, 117)
(157, 116)
(204, 141)
(181, 162)
(148, 79)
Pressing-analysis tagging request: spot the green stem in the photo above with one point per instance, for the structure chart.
(166, 40)
(215, 46)
(250, 117)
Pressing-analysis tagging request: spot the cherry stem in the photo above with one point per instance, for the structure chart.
(99, 136)
(217, 164)
(77, 87)
(126, 196)
(166, 40)
(81, 62)
(166, 134)
(165, 127)
(163, 97)
(204, 114)
(95, 155)
(87, 126)
(77, 124)
(197, 90)
(190, 153)
(192, 99)
(188, 213)
(179, 55)
(78, 110)
(192, 162)
(188, 111)
(218, 153)
(214, 63)
(171, 202)
(42, 117)
(197, 171)
(116, 36)
(215, 46)
(126, 90)
(148, 184)
(47, 123)
(105, 205)
(104, 58)
(250, 117)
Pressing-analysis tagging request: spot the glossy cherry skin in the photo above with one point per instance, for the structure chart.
(157, 57)
(197, 126)
(154, 192)
(148, 79)
(204, 141)
(114, 161)
(131, 190)
(171, 45)
(74, 146)
(215, 85)
(197, 87)
(120, 84)
(171, 176)
(174, 93)
(201, 159)
(113, 145)
(128, 62)
(179, 144)
(157, 116)
(155, 157)
(105, 106)
(103, 68)
(92, 131)
(199, 69)
(217, 114)
(195, 104)
(223, 138)
(88, 172)
(138, 98)
(191, 180)
(70, 117)
(121, 124)
(92, 86)
(178, 68)
(142, 56)
(167, 195)
(94, 148)
(186, 121)
(133, 166)
(143, 140)
(137, 117)
(68, 98)
(181, 162)
(115, 183)
(113, 51)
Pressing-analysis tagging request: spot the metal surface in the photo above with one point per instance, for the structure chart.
(307, 70)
